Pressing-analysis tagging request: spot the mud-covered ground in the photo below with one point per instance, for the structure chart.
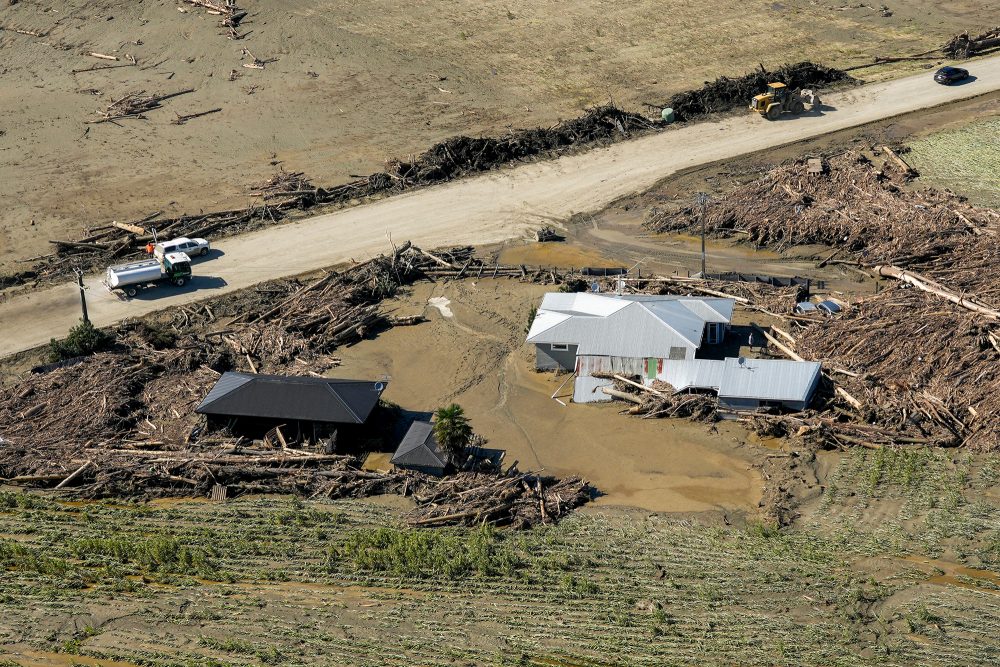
(347, 85)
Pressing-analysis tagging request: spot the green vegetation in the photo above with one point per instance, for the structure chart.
(158, 335)
(83, 339)
(159, 554)
(927, 501)
(452, 429)
(305, 585)
(14, 556)
(531, 318)
(964, 160)
(419, 554)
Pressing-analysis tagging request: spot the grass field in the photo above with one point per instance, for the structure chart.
(274, 582)
(965, 160)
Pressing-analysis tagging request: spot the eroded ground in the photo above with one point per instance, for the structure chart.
(347, 85)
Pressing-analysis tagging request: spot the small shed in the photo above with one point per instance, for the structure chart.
(748, 384)
(420, 451)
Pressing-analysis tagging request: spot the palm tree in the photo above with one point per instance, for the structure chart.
(452, 430)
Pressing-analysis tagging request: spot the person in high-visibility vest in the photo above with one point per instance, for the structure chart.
(149, 248)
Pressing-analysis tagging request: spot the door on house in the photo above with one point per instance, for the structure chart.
(652, 366)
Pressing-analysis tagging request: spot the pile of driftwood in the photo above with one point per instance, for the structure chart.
(853, 205)
(134, 105)
(284, 184)
(517, 499)
(661, 400)
(122, 423)
(960, 46)
(966, 46)
(727, 93)
(461, 155)
(291, 191)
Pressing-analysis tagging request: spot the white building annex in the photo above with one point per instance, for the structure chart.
(658, 338)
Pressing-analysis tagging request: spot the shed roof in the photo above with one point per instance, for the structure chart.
(292, 397)
(420, 448)
(769, 379)
(625, 326)
(693, 374)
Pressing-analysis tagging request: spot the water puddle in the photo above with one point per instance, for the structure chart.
(960, 576)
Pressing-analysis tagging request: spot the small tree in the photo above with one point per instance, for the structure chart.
(452, 429)
(82, 339)
(531, 318)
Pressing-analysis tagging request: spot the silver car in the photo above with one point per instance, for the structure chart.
(193, 247)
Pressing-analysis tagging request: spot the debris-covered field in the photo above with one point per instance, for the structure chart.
(122, 423)
(915, 363)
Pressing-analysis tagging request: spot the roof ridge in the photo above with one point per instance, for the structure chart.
(329, 388)
(659, 319)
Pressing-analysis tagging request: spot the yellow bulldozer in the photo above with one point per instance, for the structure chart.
(780, 99)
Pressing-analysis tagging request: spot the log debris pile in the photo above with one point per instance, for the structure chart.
(122, 423)
(927, 371)
(517, 499)
(462, 155)
(966, 46)
(854, 205)
(728, 93)
(920, 359)
(661, 400)
(293, 191)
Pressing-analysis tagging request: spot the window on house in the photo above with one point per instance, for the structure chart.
(677, 353)
(560, 347)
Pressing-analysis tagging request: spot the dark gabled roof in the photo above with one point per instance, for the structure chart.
(420, 448)
(292, 397)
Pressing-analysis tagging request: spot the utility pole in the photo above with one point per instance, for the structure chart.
(702, 201)
(83, 294)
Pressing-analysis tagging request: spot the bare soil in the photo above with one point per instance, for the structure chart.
(347, 85)
(477, 358)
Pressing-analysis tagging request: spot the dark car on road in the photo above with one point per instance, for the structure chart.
(949, 75)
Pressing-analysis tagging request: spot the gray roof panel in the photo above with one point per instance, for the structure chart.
(769, 379)
(419, 448)
(645, 326)
(292, 397)
(693, 374)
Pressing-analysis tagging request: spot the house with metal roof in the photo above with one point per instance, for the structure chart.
(632, 335)
(302, 401)
(419, 450)
(743, 383)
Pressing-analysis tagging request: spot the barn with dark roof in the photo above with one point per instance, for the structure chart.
(245, 399)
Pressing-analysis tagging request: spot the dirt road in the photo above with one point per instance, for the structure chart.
(480, 210)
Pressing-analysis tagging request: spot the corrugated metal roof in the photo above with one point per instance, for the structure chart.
(693, 374)
(420, 448)
(769, 379)
(626, 326)
(292, 397)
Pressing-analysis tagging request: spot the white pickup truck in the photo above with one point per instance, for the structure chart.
(190, 247)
